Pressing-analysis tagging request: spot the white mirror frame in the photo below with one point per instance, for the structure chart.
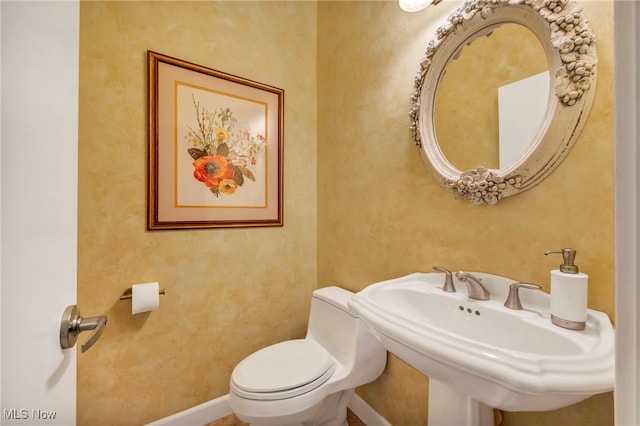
(569, 46)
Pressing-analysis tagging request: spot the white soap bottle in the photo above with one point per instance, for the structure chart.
(568, 293)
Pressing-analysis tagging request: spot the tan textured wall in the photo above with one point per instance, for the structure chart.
(381, 216)
(229, 292)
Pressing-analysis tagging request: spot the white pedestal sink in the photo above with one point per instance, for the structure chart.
(479, 354)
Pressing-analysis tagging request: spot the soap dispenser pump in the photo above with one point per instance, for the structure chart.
(568, 293)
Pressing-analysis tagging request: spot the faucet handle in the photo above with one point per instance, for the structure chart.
(448, 279)
(513, 300)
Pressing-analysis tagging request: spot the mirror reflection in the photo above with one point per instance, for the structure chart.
(479, 113)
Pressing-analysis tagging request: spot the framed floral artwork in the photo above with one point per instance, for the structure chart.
(215, 148)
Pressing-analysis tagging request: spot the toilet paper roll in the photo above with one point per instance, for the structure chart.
(145, 297)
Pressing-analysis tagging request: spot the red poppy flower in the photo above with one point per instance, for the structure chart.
(211, 170)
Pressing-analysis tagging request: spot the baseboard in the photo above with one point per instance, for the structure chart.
(199, 415)
(218, 408)
(366, 413)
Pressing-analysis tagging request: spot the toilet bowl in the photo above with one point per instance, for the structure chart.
(310, 381)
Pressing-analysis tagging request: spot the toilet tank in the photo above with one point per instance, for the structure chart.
(332, 324)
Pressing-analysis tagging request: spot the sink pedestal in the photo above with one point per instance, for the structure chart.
(447, 407)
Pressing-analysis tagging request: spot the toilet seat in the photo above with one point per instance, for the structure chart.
(283, 370)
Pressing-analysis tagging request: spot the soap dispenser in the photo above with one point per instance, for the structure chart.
(568, 293)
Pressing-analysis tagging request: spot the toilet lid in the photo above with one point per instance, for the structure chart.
(284, 366)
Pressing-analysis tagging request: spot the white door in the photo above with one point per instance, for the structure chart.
(38, 208)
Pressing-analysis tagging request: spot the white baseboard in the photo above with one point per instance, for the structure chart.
(366, 413)
(218, 408)
(199, 415)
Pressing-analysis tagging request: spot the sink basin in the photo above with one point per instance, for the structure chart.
(514, 360)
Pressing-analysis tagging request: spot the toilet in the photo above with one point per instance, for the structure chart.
(310, 381)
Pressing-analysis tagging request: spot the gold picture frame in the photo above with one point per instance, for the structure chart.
(215, 148)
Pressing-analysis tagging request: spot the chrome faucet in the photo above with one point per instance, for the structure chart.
(474, 286)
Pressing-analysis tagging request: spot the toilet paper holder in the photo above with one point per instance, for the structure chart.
(128, 294)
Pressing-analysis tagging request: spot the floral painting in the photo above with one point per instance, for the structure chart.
(223, 153)
(215, 145)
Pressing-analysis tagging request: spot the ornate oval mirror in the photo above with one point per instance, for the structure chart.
(547, 40)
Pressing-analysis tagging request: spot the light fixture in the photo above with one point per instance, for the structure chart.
(416, 5)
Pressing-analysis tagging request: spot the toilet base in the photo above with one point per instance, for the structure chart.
(331, 411)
